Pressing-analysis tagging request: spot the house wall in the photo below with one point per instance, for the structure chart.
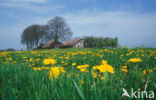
(80, 44)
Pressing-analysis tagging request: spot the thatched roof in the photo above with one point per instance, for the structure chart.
(72, 42)
(51, 43)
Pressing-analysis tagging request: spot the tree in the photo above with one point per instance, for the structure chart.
(31, 36)
(100, 42)
(58, 29)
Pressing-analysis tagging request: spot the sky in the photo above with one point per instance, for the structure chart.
(132, 21)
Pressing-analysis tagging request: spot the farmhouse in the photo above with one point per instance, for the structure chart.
(52, 44)
(76, 43)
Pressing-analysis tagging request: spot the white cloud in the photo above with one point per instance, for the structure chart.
(31, 7)
(131, 28)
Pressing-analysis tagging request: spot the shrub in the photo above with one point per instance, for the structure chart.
(100, 42)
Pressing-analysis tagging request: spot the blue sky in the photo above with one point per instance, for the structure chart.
(132, 21)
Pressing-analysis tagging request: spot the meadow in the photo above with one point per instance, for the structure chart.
(76, 74)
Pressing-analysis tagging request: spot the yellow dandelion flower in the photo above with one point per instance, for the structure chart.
(104, 68)
(67, 58)
(124, 66)
(55, 72)
(147, 71)
(104, 62)
(102, 78)
(60, 57)
(37, 59)
(37, 68)
(83, 69)
(73, 64)
(124, 70)
(135, 60)
(82, 82)
(49, 61)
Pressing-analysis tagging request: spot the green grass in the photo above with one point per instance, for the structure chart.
(18, 80)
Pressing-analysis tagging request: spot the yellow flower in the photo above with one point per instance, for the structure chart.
(94, 74)
(135, 60)
(82, 82)
(108, 68)
(67, 58)
(37, 68)
(82, 66)
(44, 67)
(37, 59)
(61, 57)
(83, 69)
(62, 61)
(49, 61)
(124, 70)
(25, 57)
(55, 72)
(124, 66)
(104, 62)
(147, 71)
(73, 64)
(104, 68)
(30, 60)
(102, 78)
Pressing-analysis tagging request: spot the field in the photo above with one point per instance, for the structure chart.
(75, 74)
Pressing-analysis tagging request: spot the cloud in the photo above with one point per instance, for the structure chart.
(31, 7)
(32, 1)
(132, 28)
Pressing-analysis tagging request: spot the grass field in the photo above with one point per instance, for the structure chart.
(75, 74)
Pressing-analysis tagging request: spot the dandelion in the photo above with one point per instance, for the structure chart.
(43, 67)
(135, 60)
(104, 68)
(124, 67)
(83, 68)
(49, 61)
(147, 71)
(101, 69)
(82, 82)
(73, 64)
(37, 68)
(67, 58)
(37, 59)
(102, 78)
(25, 57)
(61, 57)
(104, 62)
(62, 61)
(55, 72)
(124, 70)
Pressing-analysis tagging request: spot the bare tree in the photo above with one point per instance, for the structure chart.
(32, 36)
(58, 29)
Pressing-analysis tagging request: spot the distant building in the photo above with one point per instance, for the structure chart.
(51, 44)
(1, 50)
(76, 43)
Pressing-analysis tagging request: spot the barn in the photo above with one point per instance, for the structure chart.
(52, 44)
(76, 43)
